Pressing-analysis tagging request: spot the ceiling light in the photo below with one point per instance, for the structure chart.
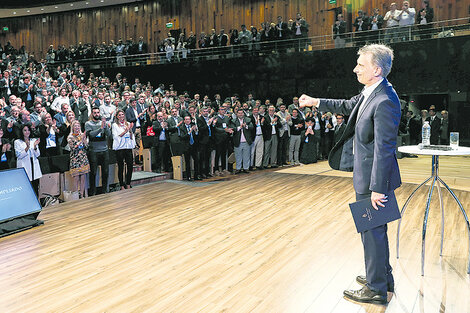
(28, 11)
(42, 9)
(71, 4)
(14, 13)
(56, 7)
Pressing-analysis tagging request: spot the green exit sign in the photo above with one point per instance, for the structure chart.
(5, 28)
(332, 1)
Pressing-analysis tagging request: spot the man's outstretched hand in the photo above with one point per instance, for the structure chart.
(306, 101)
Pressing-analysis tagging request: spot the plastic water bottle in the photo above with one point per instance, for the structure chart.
(426, 134)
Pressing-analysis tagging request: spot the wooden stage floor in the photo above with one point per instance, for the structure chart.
(263, 242)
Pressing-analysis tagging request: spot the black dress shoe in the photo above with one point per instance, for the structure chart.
(361, 280)
(365, 295)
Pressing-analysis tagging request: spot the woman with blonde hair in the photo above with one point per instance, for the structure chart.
(79, 164)
(123, 143)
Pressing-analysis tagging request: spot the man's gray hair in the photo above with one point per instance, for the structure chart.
(382, 56)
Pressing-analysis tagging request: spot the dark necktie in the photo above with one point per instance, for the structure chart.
(191, 139)
(361, 107)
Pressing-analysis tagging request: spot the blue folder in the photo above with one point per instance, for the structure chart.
(366, 217)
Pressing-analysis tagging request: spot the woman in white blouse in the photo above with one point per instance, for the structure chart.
(123, 143)
(27, 153)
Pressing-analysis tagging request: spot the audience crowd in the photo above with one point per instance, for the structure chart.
(396, 25)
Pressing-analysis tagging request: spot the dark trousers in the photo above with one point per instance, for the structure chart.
(163, 156)
(121, 156)
(221, 153)
(326, 143)
(99, 158)
(204, 158)
(282, 149)
(191, 152)
(376, 256)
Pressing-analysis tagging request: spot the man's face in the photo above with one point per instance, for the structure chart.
(65, 108)
(107, 99)
(432, 112)
(205, 112)
(141, 100)
(85, 94)
(96, 114)
(221, 111)
(191, 110)
(255, 111)
(160, 117)
(295, 113)
(393, 7)
(174, 112)
(25, 116)
(339, 120)
(38, 108)
(365, 70)
(406, 4)
(100, 95)
(240, 114)
(282, 108)
(271, 111)
(445, 115)
(187, 120)
(15, 113)
(127, 96)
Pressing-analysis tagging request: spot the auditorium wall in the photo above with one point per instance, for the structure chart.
(148, 19)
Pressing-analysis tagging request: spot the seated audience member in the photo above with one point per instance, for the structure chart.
(309, 147)
(27, 153)
(123, 144)
(98, 131)
(79, 164)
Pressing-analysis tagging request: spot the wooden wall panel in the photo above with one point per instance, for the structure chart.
(112, 23)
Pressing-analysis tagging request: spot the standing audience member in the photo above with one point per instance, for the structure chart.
(406, 20)
(392, 19)
(242, 140)
(339, 28)
(27, 154)
(284, 134)
(160, 127)
(188, 141)
(435, 123)
(309, 149)
(257, 146)
(123, 143)
(98, 132)
(204, 124)
(79, 165)
(446, 128)
(6, 152)
(135, 114)
(424, 19)
(271, 137)
(296, 129)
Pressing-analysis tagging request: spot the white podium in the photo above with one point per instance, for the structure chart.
(436, 180)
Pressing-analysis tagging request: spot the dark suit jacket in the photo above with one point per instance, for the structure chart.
(204, 138)
(173, 129)
(339, 30)
(220, 135)
(157, 128)
(435, 129)
(267, 127)
(375, 138)
(132, 118)
(4, 88)
(247, 132)
(23, 91)
(339, 132)
(185, 137)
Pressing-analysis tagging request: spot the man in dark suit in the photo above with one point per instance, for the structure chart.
(281, 29)
(188, 139)
(174, 122)
(435, 123)
(204, 125)
(339, 128)
(373, 126)
(270, 127)
(242, 140)
(160, 127)
(221, 138)
(135, 115)
(27, 91)
(8, 86)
